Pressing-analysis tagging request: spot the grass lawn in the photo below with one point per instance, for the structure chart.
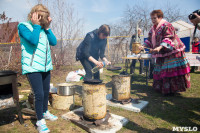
(161, 114)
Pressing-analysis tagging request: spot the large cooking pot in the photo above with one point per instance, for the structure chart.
(65, 89)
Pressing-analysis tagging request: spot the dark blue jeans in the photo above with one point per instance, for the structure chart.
(40, 84)
(88, 65)
(132, 67)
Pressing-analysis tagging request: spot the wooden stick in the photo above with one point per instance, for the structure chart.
(28, 111)
(26, 117)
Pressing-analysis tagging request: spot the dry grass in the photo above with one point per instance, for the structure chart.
(159, 116)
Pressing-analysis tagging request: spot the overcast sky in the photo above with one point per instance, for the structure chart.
(95, 12)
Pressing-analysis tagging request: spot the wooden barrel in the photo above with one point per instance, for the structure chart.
(121, 87)
(94, 101)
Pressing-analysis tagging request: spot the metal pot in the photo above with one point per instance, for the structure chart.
(114, 68)
(135, 47)
(65, 89)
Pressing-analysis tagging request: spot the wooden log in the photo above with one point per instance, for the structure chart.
(26, 117)
(121, 87)
(62, 102)
(25, 91)
(94, 101)
(31, 98)
(28, 111)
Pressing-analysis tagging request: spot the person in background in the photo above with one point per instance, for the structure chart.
(195, 45)
(171, 71)
(196, 21)
(91, 49)
(195, 50)
(199, 46)
(36, 38)
(132, 67)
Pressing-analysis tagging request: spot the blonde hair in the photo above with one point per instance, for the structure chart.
(43, 12)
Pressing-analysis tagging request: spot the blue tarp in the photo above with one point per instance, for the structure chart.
(186, 41)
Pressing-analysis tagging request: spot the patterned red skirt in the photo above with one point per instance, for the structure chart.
(171, 74)
(173, 84)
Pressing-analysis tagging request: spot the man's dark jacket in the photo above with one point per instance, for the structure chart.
(91, 46)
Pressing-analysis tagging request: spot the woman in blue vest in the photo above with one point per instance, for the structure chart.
(36, 38)
(91, 49)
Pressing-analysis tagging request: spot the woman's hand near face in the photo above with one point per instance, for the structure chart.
(49, 22)
(49, 19)
(35, 19)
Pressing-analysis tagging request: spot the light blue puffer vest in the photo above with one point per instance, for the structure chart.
(35, 58)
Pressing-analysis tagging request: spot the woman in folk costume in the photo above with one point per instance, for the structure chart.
(171, 71)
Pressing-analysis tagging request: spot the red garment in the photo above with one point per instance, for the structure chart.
(195, 47)
(173, 84)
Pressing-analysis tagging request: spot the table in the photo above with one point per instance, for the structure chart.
(132, 58)
(194, 59)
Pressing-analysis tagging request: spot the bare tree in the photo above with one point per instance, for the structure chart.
(126, 26)
(7, 50)
(5, 26)
(67, 26)
(137, 12)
